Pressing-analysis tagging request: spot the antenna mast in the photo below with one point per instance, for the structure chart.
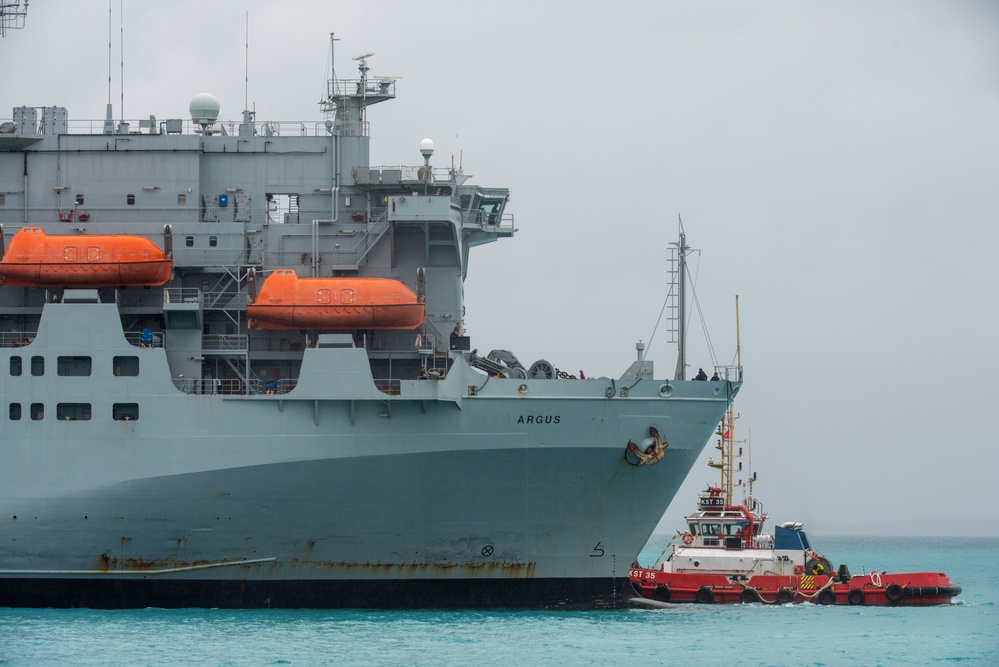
(246, 62)
(681, 283)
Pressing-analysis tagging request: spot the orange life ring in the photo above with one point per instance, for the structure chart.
(688, 539)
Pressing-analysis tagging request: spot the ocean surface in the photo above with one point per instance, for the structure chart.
(963, 633)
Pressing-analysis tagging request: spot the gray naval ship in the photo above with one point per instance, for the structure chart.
(232, 377)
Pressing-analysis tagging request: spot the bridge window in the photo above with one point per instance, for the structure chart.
(125, 412)
(15, 366)
(73, 412)
(15, 411)
(73, 366)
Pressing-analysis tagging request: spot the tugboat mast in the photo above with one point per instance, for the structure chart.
(726, 431)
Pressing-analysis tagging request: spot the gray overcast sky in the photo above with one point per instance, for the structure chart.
(836, 163)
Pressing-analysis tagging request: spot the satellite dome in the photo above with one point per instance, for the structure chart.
(427, 147)
(204, 109)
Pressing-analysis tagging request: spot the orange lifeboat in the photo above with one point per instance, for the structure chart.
(289, 302)
(36, 259)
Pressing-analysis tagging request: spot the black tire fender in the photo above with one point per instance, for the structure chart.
(894, 593)
(661, 594)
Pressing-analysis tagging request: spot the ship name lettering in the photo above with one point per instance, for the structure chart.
(539, 419)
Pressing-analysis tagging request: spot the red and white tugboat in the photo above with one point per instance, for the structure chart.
(726, 557)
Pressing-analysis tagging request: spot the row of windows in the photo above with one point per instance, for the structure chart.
(129, 199)
(75, 366)
(75, 411)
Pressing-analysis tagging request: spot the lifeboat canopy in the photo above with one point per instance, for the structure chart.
(286, 301)
(37, 259)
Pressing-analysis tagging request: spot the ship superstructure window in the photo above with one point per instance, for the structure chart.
(189, 241)
(73, 366)
(79, 199)
(130, 200)
(38, 366)
(3, 199)
(70, 412)
(37, 411)
(125, 412)
(15, 366)
(182, 200)
(126, 366)
(15, 411)
(213, 241)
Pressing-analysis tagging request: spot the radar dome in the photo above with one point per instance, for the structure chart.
(204, 109)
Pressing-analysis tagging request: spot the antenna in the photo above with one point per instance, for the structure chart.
(121, 53)
(331, 89)
(109, 54)
(246, 64)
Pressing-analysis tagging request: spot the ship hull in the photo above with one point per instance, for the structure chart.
(515, 494)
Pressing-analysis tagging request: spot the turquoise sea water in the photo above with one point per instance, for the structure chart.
(965, 633)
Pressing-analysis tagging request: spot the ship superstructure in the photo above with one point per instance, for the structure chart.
(235, 375)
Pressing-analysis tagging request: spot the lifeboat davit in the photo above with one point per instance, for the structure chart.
(286, 301)
(37, 259)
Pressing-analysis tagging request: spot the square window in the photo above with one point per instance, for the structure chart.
(189, 241)
(69, 412)
(37, 411)
(126, 366)
(181, 200)
(15, 411)
(125, 412)
(15, 366)
(73, 366)
(130, 200)
(79, 199)
(38, 366)
(213, 241)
